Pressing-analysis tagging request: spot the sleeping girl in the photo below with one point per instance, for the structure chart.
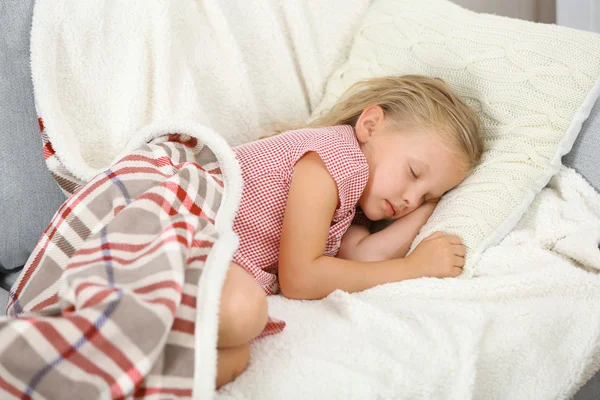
(388, 150)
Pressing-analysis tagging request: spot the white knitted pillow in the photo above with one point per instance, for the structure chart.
(532, 85)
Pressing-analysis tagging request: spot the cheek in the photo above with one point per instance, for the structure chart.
(385, 181)
(388, 182)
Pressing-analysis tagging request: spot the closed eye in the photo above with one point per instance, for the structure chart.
(412, 171)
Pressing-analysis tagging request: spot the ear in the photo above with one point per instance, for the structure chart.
(369, 121)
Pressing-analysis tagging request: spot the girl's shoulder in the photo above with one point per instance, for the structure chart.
(303, 136)
(291, 145)
(340, 151)
(337, 146)
(332, 134)
(337, 140)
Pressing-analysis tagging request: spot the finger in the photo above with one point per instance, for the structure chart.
(459, 261)
(459, 250)
(434, 236)
(454, 239)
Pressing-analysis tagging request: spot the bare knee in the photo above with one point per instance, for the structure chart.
(243, 311)
(231, 362)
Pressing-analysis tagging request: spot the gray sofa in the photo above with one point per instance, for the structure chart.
(28, 194)
(29, 197)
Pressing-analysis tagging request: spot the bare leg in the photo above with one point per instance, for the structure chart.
(231, 362)
(243, 315)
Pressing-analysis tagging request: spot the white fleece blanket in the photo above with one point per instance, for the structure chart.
(104, 69)
(527, 327)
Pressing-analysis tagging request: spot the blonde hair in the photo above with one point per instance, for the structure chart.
(413, 101)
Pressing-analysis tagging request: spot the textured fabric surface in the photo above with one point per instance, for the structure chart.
(28, 194)
(585, 155)
(111, 304)
(531, 84)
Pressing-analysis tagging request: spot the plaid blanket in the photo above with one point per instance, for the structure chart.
(115, 302)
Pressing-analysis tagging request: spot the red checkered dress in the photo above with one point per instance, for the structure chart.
(267, 168)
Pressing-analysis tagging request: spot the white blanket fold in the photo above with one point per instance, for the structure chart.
(104, 69)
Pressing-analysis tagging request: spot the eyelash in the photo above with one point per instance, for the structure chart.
(412, 171)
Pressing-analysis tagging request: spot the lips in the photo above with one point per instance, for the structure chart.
(390, 208)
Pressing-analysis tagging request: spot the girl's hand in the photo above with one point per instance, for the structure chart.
(439, 256)
(388, 240)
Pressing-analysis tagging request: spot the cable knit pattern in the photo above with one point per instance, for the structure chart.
(532, 85)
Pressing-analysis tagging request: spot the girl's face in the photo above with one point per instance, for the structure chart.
(406, 168)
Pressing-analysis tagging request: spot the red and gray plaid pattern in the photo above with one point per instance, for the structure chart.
(68, 183)
(106, 305)
(267, 169)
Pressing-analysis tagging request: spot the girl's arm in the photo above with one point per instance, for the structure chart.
(391, 242)
(304, 272)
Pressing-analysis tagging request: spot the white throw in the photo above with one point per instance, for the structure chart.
(105, 69)
(526, 327)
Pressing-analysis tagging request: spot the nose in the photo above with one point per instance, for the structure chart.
(411, 200)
